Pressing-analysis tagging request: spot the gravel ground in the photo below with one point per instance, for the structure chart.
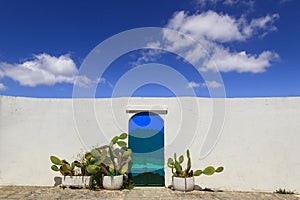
(29, 192)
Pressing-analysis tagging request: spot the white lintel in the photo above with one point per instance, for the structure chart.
(159, 109)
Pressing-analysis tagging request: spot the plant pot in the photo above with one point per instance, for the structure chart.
(76, 181)
(113, 182)
(183, 184)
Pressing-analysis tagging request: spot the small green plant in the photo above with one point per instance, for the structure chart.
(128, 184)
(69, 169)
(284, 191)
(64, 167)
(178, 170)
(112, 159)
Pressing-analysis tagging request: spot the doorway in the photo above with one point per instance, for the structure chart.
(146, 139)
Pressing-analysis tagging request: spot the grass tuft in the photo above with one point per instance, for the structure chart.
(284, 191)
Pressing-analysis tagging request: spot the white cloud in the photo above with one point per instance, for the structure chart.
(209, 25)
(209, 84)
(85, 82)
(220, 27)
(212, 30)
(193, 84)
(148, 55)
(175, 41)
(44, 69)
(264, 23)
(82, 81)
(239, 61)
(101, 80)
(2, 87)
(212, 84)
(155, 45)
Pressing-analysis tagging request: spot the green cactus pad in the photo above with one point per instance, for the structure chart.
(92, 169)
(55, 160)
(72, 165)
(122, 144)
(177, 167)
(171, 161)
(188, 153)
(209, 170)
(219, 169)
(93, 160)
(124, 169)
(88, 155)
(66, 169)
(123, 136)
(96, 154)
(127, 153)
(171, 166)
(55, 168)
(115, 139)
(181, 159)
(189, 164)
(197, 172)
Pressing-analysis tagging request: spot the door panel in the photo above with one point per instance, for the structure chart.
(146, 139)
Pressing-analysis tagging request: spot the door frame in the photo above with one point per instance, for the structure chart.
(160, 110)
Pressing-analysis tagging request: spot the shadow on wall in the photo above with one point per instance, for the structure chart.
(57, 181)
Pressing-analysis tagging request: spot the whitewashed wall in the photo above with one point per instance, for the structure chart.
(258, 146)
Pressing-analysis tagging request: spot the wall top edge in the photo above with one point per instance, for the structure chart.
(182, 97)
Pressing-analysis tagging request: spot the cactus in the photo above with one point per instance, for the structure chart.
(110, 159)
(177, 169)
(189, 162)
(65, 168)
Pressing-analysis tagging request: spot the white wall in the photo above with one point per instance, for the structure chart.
(258, 146)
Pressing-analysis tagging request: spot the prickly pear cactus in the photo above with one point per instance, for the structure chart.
(177, 169)
(65, 168)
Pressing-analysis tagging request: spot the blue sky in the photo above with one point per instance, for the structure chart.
(254, 44)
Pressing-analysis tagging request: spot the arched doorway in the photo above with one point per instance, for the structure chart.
(146, 139)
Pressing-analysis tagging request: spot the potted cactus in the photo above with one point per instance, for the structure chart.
(74, 174)
(111, 160)
(183, 179)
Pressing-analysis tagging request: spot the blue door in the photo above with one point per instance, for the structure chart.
(146, 139)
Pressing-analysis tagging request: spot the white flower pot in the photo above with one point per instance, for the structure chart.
(76, 181)
(113, 182)
(183, 184)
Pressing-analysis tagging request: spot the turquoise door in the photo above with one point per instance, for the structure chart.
(146, 139)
